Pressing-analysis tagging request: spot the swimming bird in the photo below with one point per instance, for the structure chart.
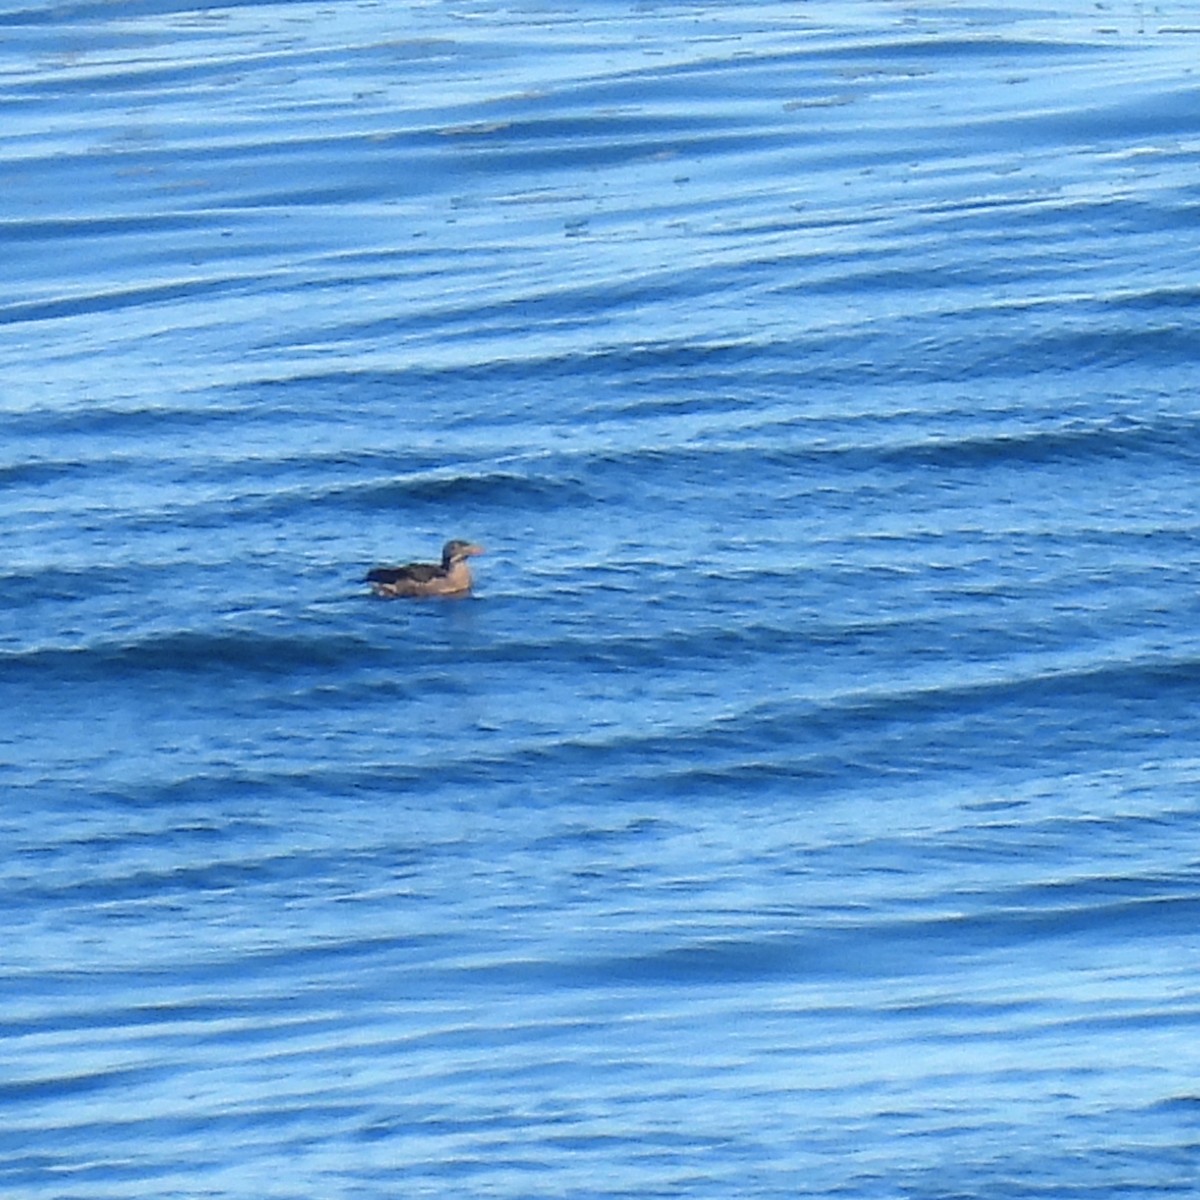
(451, 578)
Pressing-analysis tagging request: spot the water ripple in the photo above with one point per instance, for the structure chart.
(814, 752)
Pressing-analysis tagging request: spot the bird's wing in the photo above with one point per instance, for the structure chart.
(413, 572)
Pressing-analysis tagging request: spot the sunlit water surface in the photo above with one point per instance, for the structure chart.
(806, 801)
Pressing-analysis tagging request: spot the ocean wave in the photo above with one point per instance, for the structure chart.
(497, 490)
(818, 945)
(284, 476)
(191, 652)
(1168, 439)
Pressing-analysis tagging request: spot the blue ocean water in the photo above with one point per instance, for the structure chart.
(806, 802)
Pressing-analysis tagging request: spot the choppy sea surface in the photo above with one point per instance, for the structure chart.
(806, 803)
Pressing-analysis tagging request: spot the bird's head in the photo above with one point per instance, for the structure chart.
(456, 551)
